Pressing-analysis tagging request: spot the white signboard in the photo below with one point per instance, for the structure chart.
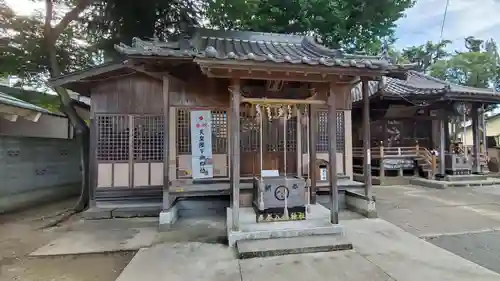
(201, 144)
(322, 174)
(270, 173)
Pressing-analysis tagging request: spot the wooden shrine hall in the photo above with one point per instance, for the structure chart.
(415, 125)
(222, 112)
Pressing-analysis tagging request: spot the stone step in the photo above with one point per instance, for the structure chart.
(247, 249)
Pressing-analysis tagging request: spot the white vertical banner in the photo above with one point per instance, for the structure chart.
(201, 144)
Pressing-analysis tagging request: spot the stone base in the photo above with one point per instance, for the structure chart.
(360, 204)
(96, 213)
(122, 210)
(464, 177)
(316, 223)
(442, 184)
(295, 245)
(168, 218)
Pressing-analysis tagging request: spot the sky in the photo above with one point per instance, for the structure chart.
(480, 18)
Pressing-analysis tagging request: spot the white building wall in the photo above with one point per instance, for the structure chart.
(48, 126)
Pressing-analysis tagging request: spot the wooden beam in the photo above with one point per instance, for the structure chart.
(80, 75)
(281, 101)
(10, 117)
(33, 117)
(157, 75)
(140, 69)
(284, 67)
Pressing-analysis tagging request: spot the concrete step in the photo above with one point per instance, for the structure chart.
(247, 249)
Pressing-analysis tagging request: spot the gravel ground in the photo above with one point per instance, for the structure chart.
(22, 233)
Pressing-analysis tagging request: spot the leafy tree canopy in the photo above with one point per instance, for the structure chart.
(426, 54)
(110, 22)
(478, 67)
(355, 25)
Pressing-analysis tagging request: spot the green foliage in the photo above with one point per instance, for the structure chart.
(47, 101)
(109, 22)
(427, 54)
(479, 67)
(23, 51)
(355, 25)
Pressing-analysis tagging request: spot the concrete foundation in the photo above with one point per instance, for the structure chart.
(317, 223)
(441, 184)
(360, 204)
(464, 178)
(168, 218)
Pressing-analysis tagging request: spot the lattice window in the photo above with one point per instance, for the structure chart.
(291, 138)
(322, 137)
(340, 132)
(219, 131)
(322, 133)
(148, 138)
(250, 130)
(113, 137)
(183, 131)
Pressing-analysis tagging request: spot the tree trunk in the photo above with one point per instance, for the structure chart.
(82, 131)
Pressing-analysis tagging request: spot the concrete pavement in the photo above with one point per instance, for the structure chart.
(382, 252)
(465, 221)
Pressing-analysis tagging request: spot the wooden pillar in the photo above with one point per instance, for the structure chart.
(475, 138)
(166, 144)
(442, 142)
(313, 133)
(93, 168)
(367, 167)
(299, 142)
(332, 156)
(484, 139)
(381, 165)
(235, 151)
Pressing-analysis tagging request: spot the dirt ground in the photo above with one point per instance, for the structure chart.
(22, 233)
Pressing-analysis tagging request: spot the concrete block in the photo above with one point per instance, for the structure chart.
(361, 204)
(96, 213)
(132, 212)
(246, 199)
(317, 223)
(429, 183)
(294, 245)
(168, 218)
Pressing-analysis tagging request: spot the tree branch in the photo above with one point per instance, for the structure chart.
(68, 17)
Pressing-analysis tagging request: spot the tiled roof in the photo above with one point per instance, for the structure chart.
(12, 101)
(256, 46)
(357, 91)
(418, 83)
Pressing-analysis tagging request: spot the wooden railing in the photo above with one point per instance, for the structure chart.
(392, 152)
(425, 158)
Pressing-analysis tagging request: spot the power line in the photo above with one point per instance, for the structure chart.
(444, 19)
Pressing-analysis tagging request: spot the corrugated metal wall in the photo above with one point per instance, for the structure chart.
(37, 169)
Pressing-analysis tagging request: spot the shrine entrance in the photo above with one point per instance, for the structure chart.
(279, 140)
